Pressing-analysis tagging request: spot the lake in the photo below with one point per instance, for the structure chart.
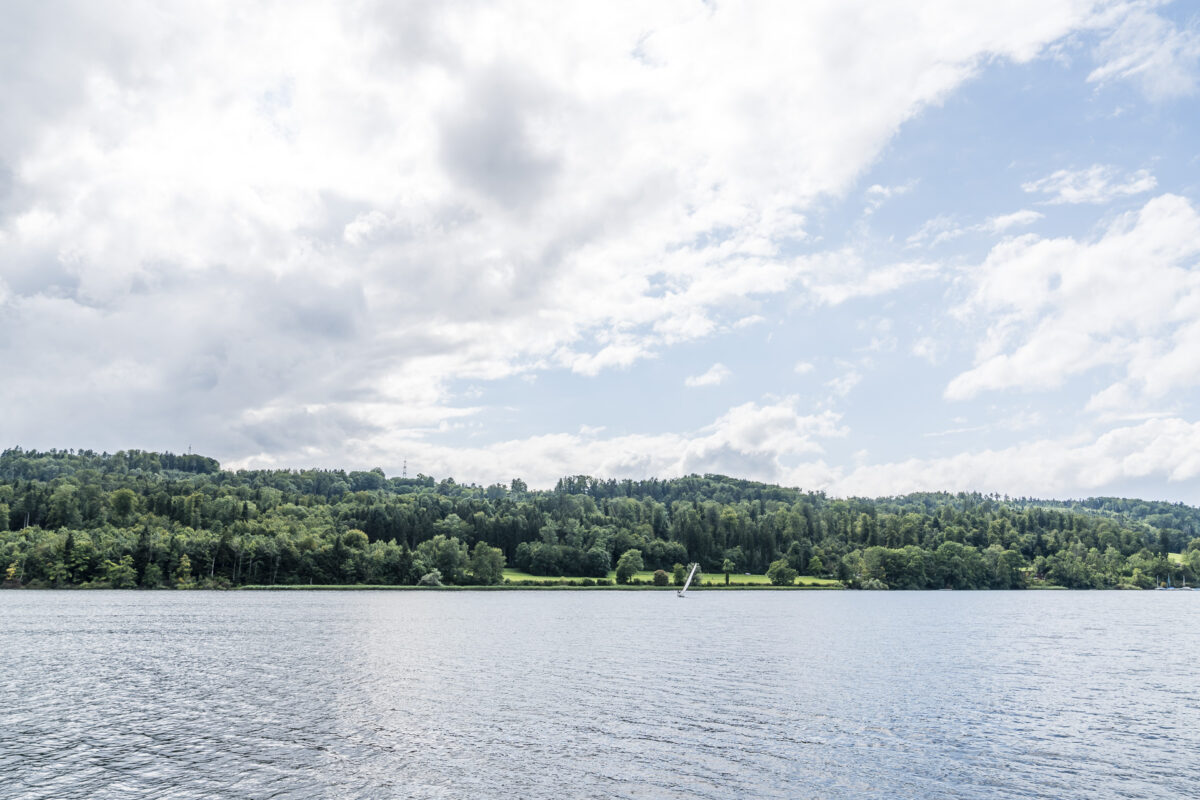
(599, 694)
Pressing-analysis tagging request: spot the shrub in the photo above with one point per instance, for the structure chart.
(661, 578)
(781, 574)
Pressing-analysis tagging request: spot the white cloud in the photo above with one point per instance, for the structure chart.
(1152, 52)
(773, 441)
(1099, 183)
(621, 353)
(878, 194)
(752, 440)
(714, 376)
(882, 339)
(361, 227)
(1017, 219)
(956, 431)
(835, 277)
(803, 367)
(935, 231)
(1167, 449)
(747, 321)
(927, 348)
(844, 383)
(310, 219)
(1055, 308)
(946, 228)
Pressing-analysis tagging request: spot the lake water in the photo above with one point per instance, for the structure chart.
(599, 694)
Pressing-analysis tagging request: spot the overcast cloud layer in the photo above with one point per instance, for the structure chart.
(847, 245)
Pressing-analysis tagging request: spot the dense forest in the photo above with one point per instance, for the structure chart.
(159, 520)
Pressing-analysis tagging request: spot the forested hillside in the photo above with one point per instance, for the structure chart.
(139, 519)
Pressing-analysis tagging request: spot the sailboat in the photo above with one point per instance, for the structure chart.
(688, 582)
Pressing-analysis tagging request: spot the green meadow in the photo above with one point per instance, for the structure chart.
(647, 577)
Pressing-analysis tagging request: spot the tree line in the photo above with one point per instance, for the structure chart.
(143, 519)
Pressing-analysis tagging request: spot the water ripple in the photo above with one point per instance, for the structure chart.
(598, 695)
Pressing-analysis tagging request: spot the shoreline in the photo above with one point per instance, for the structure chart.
(383, 587)
(559, 588)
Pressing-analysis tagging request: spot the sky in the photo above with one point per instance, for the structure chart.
(860, 247)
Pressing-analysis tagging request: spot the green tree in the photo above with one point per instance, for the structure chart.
(727, 567)
(452, 527)
(120, 574)
(445, 554)
(64, 508)
(780, 574)
(628, 565)
(152, 577)
(355, 539)
(544, 559)
(122, 502)
(183, 573)
(57, 572)
(596, 563)
(661, 578)
(487, 564)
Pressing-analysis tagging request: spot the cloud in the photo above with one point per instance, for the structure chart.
(620, 353)
(844, 383)
(803, 367)
(835, 277)
(774, 441)
(1099, 183)
(1152, 52)
(714, 376)
(878, 194)
(228, 223)
(1017, 219)
(935, 231)
(752, 440)
(1056, 308)
(928, 349)
(747, 321)
(945, 228)
(1166, 449)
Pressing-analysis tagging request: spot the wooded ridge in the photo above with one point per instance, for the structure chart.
(159, 520)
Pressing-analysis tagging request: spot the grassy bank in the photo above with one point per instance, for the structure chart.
(516, 580)
(714, 580)
(551, 587)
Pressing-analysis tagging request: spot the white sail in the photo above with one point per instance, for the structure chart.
(688, 582)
